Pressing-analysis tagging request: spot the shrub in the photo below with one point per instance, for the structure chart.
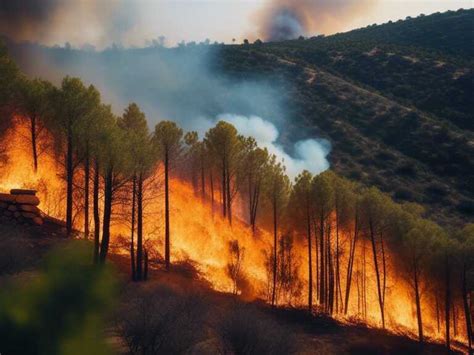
(244, 330)
(61, 310)
(160, 320)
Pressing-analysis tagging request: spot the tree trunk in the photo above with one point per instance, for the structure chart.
(275, 226)
(86, 194)
(310, 258)
(224, 190)
(139, 273)
(330, 307)
(338, 285)
(104, 247)
(132, 237)
(437, 311)
(467, 313)
(203, 180)
(33, 142)
(212, 192)
(69, 184)
(229, 198)
(96, 212)
(317, 271)
(145, 271)
(447, 301)
(322, 278)
(255, 206)
(167, 212)
(377, 274)
(351, 263)
(417, 301)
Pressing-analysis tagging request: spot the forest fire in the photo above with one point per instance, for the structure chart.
(233, 257)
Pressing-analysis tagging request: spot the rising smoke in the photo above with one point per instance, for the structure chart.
(181, 84)
(78, 21)
(289, 19)
(309, 154)
(26, 16)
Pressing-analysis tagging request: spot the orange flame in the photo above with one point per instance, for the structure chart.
(202, 236)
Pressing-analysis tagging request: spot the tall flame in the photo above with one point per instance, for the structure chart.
(202, 235)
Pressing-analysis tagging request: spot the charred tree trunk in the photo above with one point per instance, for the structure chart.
(69, 183)
(229, 198)
(145, 267)
(132, 236)
(203, 180)
(437, 311)
(212, 192)
(322, 270)
(310, 258)
(250, 187)
(275, 226)
(447, 300)
(33, 142)
(318, 276)
(224, 190)
(417, 300)
(255, 206)
(95, 198)
(86, 193)
(108, 197)
(351, 263)
(377, 273)
(467, 313)
(139, 268)
(167, 212)
(338, 284)
(330, 272)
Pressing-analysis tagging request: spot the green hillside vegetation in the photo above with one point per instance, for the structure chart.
(396, 106)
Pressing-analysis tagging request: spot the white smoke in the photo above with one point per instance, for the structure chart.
(309, 154)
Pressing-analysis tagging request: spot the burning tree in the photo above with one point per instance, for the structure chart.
(234, 267)
(167, 139)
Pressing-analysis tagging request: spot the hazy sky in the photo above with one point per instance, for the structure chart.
(133, 22)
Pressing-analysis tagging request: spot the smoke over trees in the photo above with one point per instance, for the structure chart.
(289, 19)
(324, 207)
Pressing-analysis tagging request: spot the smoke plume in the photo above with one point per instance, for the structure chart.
(309, 154)
(289, 19)
(184, 85)
(26, 16)
(60, 21)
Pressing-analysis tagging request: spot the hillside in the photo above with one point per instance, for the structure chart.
(178, 310)
(394, 100)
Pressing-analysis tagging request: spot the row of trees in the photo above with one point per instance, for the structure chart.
(109, 158)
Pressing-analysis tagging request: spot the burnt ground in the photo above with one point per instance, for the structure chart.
(22, 249)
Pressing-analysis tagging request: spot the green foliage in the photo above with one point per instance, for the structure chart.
(60, 310)
(137, 138)
(223, 142)
(168, 140)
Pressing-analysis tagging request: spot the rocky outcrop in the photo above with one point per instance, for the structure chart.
(20, 206)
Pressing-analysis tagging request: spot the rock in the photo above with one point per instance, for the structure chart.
(8, 213)
(38, 221)
(16, 214)
(12, 208)
(23, 192)
(28, 215)
(3, 205)
(7, 198)
(29, 208)
(27, 200)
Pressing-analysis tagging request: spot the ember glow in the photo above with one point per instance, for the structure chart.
(199, 234)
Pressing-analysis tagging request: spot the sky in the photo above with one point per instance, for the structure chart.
(137, 22)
